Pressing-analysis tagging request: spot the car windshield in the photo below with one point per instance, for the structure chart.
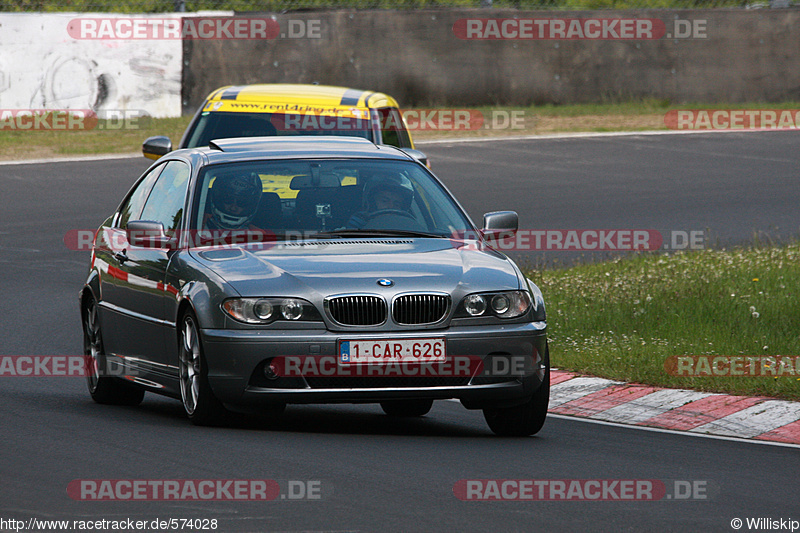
(326, 198)
(220, 125)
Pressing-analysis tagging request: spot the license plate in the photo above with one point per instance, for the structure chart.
(381, 351)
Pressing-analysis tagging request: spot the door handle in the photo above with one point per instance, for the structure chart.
(121, 257)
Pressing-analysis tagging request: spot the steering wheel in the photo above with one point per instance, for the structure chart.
(393, 219)
(395, 212)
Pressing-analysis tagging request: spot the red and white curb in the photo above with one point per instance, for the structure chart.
(674, 409)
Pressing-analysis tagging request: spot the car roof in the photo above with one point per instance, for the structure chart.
(300, 94)
(298, 147)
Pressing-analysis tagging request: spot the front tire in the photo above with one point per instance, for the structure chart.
(106, 390)
(199, 402)
(526, 419)
(407, 408)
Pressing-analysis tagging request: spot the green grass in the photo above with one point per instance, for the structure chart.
(646, 106)
(637, 107)
(623, 319)
(27, 144)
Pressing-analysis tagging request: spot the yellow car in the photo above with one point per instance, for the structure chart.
(291, 110)
(287, 109)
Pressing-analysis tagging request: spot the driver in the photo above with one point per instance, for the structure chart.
(385, 192)
(234, 202)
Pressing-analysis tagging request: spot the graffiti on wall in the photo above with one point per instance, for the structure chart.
(43, 67)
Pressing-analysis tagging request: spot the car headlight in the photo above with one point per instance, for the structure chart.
(510, 304)
(266, 310)
(475, 304)
(539, 313)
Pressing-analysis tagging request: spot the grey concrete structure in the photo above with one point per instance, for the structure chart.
(744, 56)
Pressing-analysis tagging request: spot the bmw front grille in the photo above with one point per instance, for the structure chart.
(370, 310)
(357, 310)
(418, 309)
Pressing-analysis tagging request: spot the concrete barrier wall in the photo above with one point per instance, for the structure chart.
(42, 66)
(415, 56)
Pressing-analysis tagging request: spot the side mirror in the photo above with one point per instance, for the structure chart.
(418, 155)
(500, 225)
(501, 221)
(155, 147)
(147, 234)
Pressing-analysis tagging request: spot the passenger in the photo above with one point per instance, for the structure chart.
(382, 194)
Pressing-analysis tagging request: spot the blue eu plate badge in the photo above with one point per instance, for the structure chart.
(344, 350)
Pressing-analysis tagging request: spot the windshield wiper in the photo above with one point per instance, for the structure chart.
(375, 233)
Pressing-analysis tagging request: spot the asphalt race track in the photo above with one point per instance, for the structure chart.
(729, 186)
(374, 472)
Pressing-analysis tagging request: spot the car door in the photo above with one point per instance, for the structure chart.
(134, 290)
(109, 249)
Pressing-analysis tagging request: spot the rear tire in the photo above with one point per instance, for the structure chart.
(106, 390)
(526, 419)
(406, 408)
(199, 402)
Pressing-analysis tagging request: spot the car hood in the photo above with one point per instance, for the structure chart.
(324, 268)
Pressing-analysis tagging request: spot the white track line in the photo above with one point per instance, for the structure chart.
(587, 135)
(99, 157)
(664, 430)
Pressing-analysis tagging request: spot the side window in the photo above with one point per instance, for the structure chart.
(166, 201)
(393, 129)
(133, 205)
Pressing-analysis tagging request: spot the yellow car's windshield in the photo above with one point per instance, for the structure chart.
(222, 125)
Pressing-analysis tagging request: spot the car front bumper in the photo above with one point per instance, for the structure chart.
(513, 357)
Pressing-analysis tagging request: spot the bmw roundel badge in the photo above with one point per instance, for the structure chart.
(385, 282)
